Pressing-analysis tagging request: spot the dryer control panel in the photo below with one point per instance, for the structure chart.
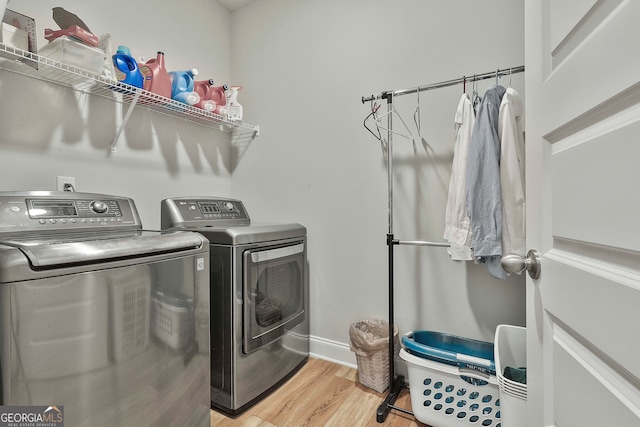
(190, 212)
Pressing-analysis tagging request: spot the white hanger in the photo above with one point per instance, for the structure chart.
(416, 114)
(393, 109)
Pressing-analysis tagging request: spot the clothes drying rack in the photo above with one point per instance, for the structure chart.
(397, 383)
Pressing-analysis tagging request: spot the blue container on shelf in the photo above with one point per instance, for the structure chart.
(182, 83)
(126, 68)
(451, 350)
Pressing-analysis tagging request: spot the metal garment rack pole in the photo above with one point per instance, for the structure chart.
(470, 78)
(397, 383)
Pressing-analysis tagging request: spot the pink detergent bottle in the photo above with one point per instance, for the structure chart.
(202, 88)
(156, 77)
(218, 94)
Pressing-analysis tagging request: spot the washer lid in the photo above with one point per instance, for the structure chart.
(54, 251)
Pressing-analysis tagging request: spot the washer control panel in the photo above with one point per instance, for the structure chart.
(182, 211)
(22, 212)
(61, 209)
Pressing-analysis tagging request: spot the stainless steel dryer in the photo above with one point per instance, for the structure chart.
(98, 317)
(259, 297)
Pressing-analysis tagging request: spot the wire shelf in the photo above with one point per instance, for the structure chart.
(46, 69)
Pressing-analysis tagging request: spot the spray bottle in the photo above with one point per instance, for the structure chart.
(156, 78)
(234, 109)
(126, 67)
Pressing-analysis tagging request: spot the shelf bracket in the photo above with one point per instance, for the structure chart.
(241, 139)
(134, 101)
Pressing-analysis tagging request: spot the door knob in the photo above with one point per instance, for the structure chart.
(516, 264)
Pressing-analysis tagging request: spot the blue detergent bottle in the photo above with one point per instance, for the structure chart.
(182, 83)
(126, 67)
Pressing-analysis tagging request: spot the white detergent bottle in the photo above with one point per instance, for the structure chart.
(234, 109)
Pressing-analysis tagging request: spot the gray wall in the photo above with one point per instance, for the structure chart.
(305, 65)
(48, 130)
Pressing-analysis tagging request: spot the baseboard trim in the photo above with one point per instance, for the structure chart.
(332, 351)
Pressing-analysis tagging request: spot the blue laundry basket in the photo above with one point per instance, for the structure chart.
(451, 350)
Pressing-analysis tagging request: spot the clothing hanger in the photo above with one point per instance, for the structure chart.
(416, 114)
(374, 109)
(497, 82)
(464, 84)
(393, 109)
(475, 96)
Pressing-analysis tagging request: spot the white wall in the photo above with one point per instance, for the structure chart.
(49, 130)
(304, 65)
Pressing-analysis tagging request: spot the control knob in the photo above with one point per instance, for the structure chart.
(99, 207)
(228, 206)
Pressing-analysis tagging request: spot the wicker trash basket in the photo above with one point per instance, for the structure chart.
(369, 340)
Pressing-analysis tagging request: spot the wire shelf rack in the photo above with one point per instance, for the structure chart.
(39, 67)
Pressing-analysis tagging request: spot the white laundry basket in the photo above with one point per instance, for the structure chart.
(452, 380)
(173, 319)
(511, 351)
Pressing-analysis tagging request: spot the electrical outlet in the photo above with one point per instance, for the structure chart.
(66, 183)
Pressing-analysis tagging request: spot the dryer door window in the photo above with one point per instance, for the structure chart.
(273, 293)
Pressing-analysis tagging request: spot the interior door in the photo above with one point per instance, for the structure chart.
(583, 202)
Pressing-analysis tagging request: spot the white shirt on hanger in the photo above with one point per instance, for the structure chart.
(457, 228)
(512, 173)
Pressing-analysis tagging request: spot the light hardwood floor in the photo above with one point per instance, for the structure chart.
(320, 394)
